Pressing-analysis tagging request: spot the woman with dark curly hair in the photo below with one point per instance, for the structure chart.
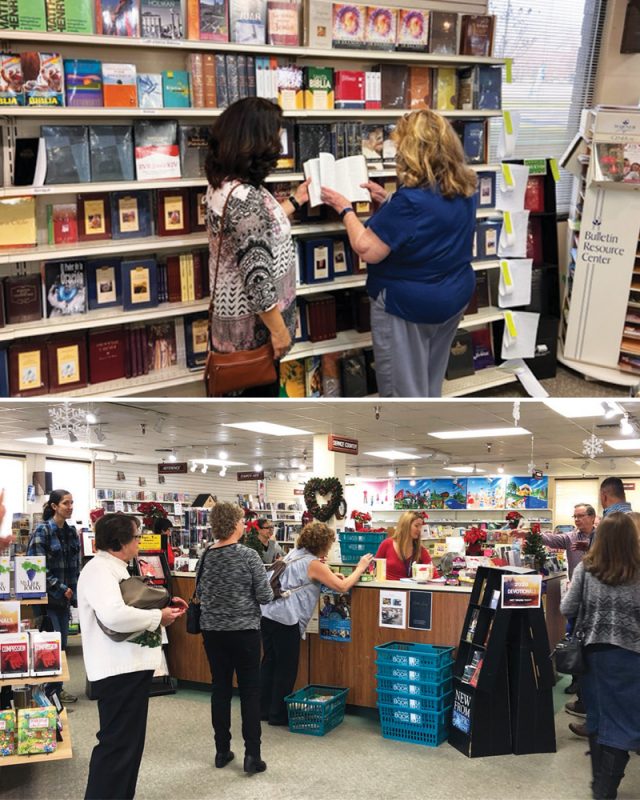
(232, 584)
(284, 621)
(254, 281)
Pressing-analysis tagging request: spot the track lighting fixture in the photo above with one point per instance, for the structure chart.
(626, 428)
(205, 468)
(173, 457)
(72, 437)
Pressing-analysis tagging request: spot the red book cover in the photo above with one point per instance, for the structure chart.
(141, 344)
(197, 276)
(107, 355)
(173, 212)
(46, 654)
(133, 352)
(23, 298)
(173, 279)
(534, 241)
(67, 362)
(28, 374)
(14, 655)
(94, 217)
(349, 86)
(283, 23)
(534, 196)
(64, 217)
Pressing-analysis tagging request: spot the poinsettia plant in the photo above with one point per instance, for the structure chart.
(513, 519)
(151, 512)
(95, 514)
(475, 535)
(361, 516)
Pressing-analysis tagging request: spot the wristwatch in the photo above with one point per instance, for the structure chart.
(345, 211)
(296, 205)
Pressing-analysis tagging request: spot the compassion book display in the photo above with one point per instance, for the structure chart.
(106, 174)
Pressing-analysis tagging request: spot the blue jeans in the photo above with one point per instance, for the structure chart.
(60, 620)
(610, 693)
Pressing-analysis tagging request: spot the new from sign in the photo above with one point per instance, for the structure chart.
(339, 444)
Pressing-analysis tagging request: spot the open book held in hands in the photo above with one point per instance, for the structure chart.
(343, 175)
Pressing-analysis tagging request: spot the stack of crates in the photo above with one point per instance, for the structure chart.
(354, 545)
(415, 691)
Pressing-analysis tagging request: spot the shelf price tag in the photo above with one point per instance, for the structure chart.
(509, 183)
(554, 169)
(508, 122)
(511, 325)
(506, 274)
(508, 70)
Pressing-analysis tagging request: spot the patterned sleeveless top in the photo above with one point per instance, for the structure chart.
(256, 268)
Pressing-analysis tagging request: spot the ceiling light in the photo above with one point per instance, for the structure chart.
(217, 462)
(223, 455)
(49, 438)
(91, 418)
(280, 476)
(173, 457)
(72, 437)
(269, 428)
(293, 463)
(501, 468)
(623, 444)
(585, 465)
(194, 466)
(626, 428)
(574, 408)
(302, 467)
(412, 483)
(391, 455)
(205, 468)
(611, 409)
(223, 472)
(464, 469)
(480, 433)
(391, 473)
(257, 467)
(99, 434)
(114, 458)
(41, 439)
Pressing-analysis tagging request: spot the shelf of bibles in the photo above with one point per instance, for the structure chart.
(198, 45)
(62, 678)
(488, 378)
(604, 374)
(98, 319)
(128, 113)
(63, 749)
(164, 379)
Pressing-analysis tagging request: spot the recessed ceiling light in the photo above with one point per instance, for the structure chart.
(173, 457)
(476, 433)
(574, 408)
(391, 455)
(501, 469)
(257, 467)
(91, 418)
(218, 462)
(464, 469)
(223, 455)
(269, 428)
(623, 444)
(626, 428)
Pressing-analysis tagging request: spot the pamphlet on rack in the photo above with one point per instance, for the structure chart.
(514, 288)
(343, 175)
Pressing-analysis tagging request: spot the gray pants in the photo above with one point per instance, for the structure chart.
(411, 359)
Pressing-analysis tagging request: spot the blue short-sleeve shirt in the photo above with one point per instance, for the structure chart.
(427, 276)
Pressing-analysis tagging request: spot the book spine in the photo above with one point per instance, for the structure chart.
(242, 75)
(209, 78)
(55, 15)
(193, 19)
(222, 94)
(233, 84)
(196, 68)
(251, 76)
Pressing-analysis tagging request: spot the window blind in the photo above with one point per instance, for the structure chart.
(555, 48)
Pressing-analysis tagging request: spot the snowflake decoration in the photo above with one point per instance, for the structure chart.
(66, 419)
(531, 465)
(592, 446)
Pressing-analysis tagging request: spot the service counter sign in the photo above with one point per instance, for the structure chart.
(521, 591)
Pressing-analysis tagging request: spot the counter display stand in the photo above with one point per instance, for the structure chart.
(147, 56)
(503, 678)
(63, 748)
(600, 325)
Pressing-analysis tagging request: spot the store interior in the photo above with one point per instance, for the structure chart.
(108, 452)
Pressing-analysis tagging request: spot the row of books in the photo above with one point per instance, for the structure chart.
(275, 22)
(343, 374)
(325, 315)
(29, 731)
(133, 495)
(147, 150)
(67, 288)
(71, 361)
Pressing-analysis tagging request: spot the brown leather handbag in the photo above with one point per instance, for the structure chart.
(242, 369)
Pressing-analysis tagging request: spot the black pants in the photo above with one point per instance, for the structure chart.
(239, 652)
(123, 701)
(281, 646)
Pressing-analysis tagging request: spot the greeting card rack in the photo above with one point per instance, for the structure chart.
(502, 678)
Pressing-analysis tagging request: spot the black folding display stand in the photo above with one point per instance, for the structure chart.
(503, 677)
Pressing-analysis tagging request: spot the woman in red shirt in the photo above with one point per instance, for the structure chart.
(403, 548)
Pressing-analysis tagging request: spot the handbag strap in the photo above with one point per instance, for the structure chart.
(220, 236)
(199, 573)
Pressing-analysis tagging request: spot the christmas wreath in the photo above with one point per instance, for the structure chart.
(330, 487)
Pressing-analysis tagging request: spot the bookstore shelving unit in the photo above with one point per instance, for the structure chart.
(145, 53)
(111, 504)
(502, 677)
(600, 340)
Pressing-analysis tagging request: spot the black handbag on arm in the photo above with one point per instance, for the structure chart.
(193, 611)
(569, 652)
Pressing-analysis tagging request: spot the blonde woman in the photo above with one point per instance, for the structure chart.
(403, 549)
(284, 621)
(418, 247)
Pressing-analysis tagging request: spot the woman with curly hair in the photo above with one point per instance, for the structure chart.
(232, 584)
(284, 621)
(418, 246)
(252, 259)
(404, 548)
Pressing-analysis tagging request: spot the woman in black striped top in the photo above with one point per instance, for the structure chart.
(232, 585)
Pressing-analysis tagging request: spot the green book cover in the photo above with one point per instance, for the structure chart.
(175, 89)
(70, 16)
(23, 15)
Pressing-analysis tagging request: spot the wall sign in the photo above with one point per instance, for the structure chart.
(340, 444)
(172, 468)
(250, 476)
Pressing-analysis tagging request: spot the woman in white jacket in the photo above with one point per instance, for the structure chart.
(120, 672)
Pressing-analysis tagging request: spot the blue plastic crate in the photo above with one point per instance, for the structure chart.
(354, 545)
(427, 682)
(430, 735)
(311, 715)
(415, 702)
(412, 654)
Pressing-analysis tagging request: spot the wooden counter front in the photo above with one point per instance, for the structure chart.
(186, 656)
